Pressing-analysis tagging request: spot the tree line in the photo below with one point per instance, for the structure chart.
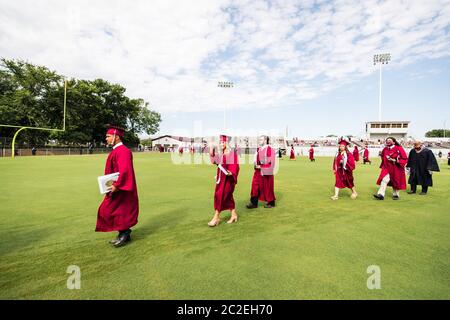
(33, 96)
(438, 133)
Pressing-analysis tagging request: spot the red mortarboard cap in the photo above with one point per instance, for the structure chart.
(344, 141)
(223, 138)
(115, 130)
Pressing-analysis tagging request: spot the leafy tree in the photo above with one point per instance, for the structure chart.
(34, 96)
(29, 96)
(437, 133)
(147, 142)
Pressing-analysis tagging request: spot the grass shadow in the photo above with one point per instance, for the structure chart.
(151, 225)
(19, 240)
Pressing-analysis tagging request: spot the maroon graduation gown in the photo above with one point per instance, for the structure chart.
(223, 193)
(263, 179)
(119, 210)
(256, 180)
(311, 154)
(356, 154)
(292, 156)
(344, 171)
(396, 170)
(366, 154)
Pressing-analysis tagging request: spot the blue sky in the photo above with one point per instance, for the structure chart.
(419, 93)
(302, 64)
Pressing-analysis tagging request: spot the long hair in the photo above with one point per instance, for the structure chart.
(346, 148)
(394, 140)
(266, 138)
(347, 152)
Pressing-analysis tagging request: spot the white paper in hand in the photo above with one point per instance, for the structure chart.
(105, 182)
(223, 169)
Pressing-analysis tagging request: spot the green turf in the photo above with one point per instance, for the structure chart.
(308, 247)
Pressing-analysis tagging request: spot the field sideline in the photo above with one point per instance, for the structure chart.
(308, 247)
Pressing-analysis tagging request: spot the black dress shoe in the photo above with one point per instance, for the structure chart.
(123, 239)
(395, 198)
(378, 196)
(423, 193)
(268, 206)
(411, 192)
(251, 206)
(121, 233)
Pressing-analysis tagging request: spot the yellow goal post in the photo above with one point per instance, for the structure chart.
(38, 128)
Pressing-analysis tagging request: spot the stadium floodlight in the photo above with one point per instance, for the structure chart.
(38, 128)
(381, 59)
(225, 84)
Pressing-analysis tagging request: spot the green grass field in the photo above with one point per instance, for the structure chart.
(308, 247)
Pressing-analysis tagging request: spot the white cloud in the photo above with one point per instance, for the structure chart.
(172, 53)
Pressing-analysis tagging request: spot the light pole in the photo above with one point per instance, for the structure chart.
(444, 127)
(381, 59)
(225, 84)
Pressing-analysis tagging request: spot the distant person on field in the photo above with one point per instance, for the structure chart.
(292, 156)
(311, 154)
(356, 153)
(366, 156)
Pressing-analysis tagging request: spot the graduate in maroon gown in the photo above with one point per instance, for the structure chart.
(311, 154)
(343, 166)
(393, 162)
(356, 153)
(120, 207)
(226, 180)
(263, 178)
(292, 156)
(366, 156)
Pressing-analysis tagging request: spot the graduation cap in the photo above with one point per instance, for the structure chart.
(115, 130)
(224, 138)
(343, 140)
